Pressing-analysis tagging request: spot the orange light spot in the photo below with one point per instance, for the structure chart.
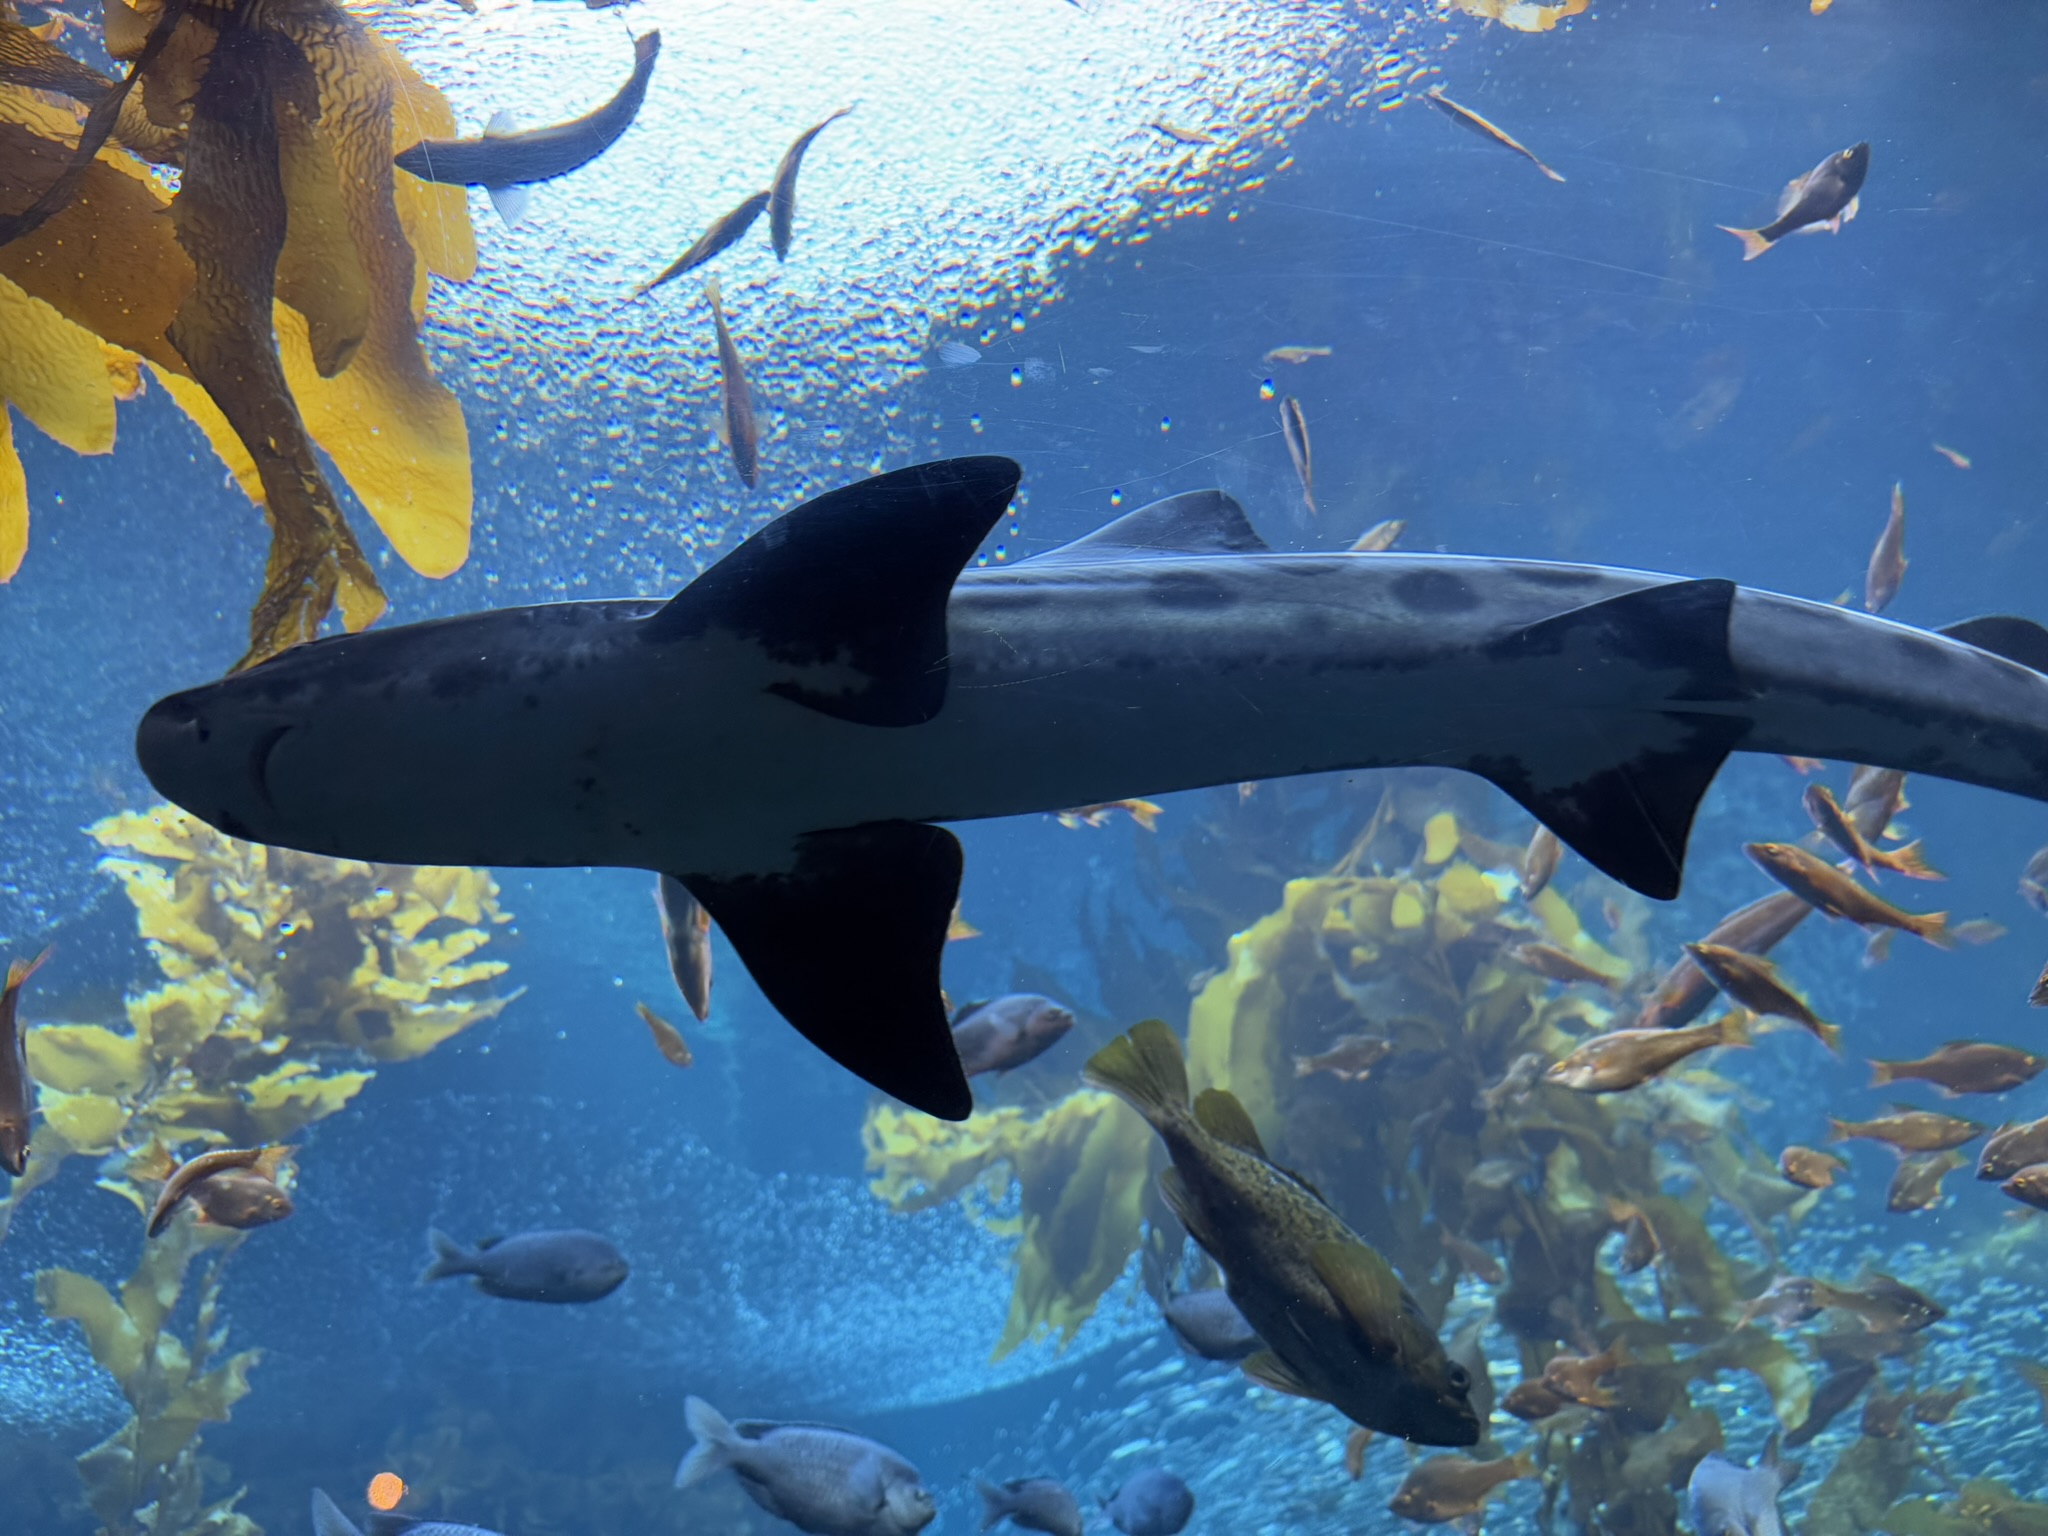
(386, 1489)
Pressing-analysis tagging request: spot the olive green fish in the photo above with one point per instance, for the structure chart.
(1338, 1325)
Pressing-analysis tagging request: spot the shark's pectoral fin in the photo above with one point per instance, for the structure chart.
(1621, 775)
(846, 594)
(846, 944)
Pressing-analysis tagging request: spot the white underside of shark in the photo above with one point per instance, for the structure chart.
(784, 734)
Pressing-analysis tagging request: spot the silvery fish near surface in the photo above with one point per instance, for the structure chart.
(686, 935)
(1826, 197)
(501, 160)
(17, 1088)
(553, 1266)
(328, 1520)
(1338, 1325)
(1888, 558)
(1294, 431)
(742, 432)
(1151, 1502)
(1031, 1504)
(1083, 675)
(829, 1482)
(1465, 117)
(1004, 1033)
(725, 231)
(782, 190)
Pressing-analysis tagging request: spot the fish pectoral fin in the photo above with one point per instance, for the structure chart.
(845, 943)
(512, 203)
(846, 595)
(1192, 523)
(2014, 639)
(1269, 1370)
(1218, 1112)
(1623, 792)
(1173, 1189)
(1364, 1284)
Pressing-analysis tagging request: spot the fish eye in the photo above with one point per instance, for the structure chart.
(1460, 1378)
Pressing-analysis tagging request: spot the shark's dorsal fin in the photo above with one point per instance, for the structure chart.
(847, 593)
(1192, 523)
(845, 943)
(2002, 634)
(1621, 789)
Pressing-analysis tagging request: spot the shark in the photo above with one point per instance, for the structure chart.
(789, 735)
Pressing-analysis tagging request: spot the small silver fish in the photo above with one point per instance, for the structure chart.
(1294, 428)
(1888, 558)
(742, 434)
(725, 231)
(782, 190)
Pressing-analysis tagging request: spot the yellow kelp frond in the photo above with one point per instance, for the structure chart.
(13, 502)
(53, 373)
(1080, 1171)
(1520, 15)
(172, 1388)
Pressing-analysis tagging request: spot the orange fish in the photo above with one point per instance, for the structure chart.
(1754, 982)
(1828, 890)
(667, 1038)
(1143, 812)
(1836, 825)
(1810, 1169)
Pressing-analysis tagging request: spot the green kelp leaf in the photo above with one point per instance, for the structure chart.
(116, 1343)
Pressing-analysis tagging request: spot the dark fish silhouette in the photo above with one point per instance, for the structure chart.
(742, 432)
(504, 159)
(725, 231)
(567, 1266)
(1825, 197)
(17, 1089)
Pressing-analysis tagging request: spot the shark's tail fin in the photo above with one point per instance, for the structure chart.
(327, 1519)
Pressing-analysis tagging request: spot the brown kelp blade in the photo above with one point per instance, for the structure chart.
(231, 218)
(99, 127)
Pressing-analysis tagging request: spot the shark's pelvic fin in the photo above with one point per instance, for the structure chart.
(846, 945)
(1192, 523)
(2017, 640)
(1625, 794)
(854, 585)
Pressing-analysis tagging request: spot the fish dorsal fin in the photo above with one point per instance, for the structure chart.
(845, 942)
(846, 594)
(1192, 523)
(1622, 775)
(1270, 1371)
(1363, 1283)
(2016, 639)
(502, 125)
(486, 1244)
(1219, 1113)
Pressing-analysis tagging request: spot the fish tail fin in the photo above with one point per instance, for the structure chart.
(1736, 1026)
(1146, 815)
(715, 1443)
(1830, 1035)
(1145, 1069)
(1910, 862)
(19, 971)
(995, 1504)
(1882, 1072)
(1933, 927)
(450, 1257)
(1523, 1463)
(327, 1519)
(1753, 242)
(1838, 1130)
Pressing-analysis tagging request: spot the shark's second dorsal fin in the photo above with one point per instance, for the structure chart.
(2017, 640)
(1192, 523)
(1621, 788)
(848, 591)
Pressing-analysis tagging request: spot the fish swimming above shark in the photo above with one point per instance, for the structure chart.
(785, 734)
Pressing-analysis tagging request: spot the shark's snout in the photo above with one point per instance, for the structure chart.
(193, 764)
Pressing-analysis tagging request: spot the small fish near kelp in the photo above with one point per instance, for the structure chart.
(1723, 1499)
(1835, 893)
(1006, 1032)
(1909, 1130)
(241, 1188)
(1826, 197)
(1754, 982)
(1840, 828)
(551, 1266)
(828, 1482)
(1916, 1185)
(1339, 1326)
(1808, 1168)
(1622, 1059)
(1445, 1488)
(1964, 1066)
(505, 161)
(17, 1088)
